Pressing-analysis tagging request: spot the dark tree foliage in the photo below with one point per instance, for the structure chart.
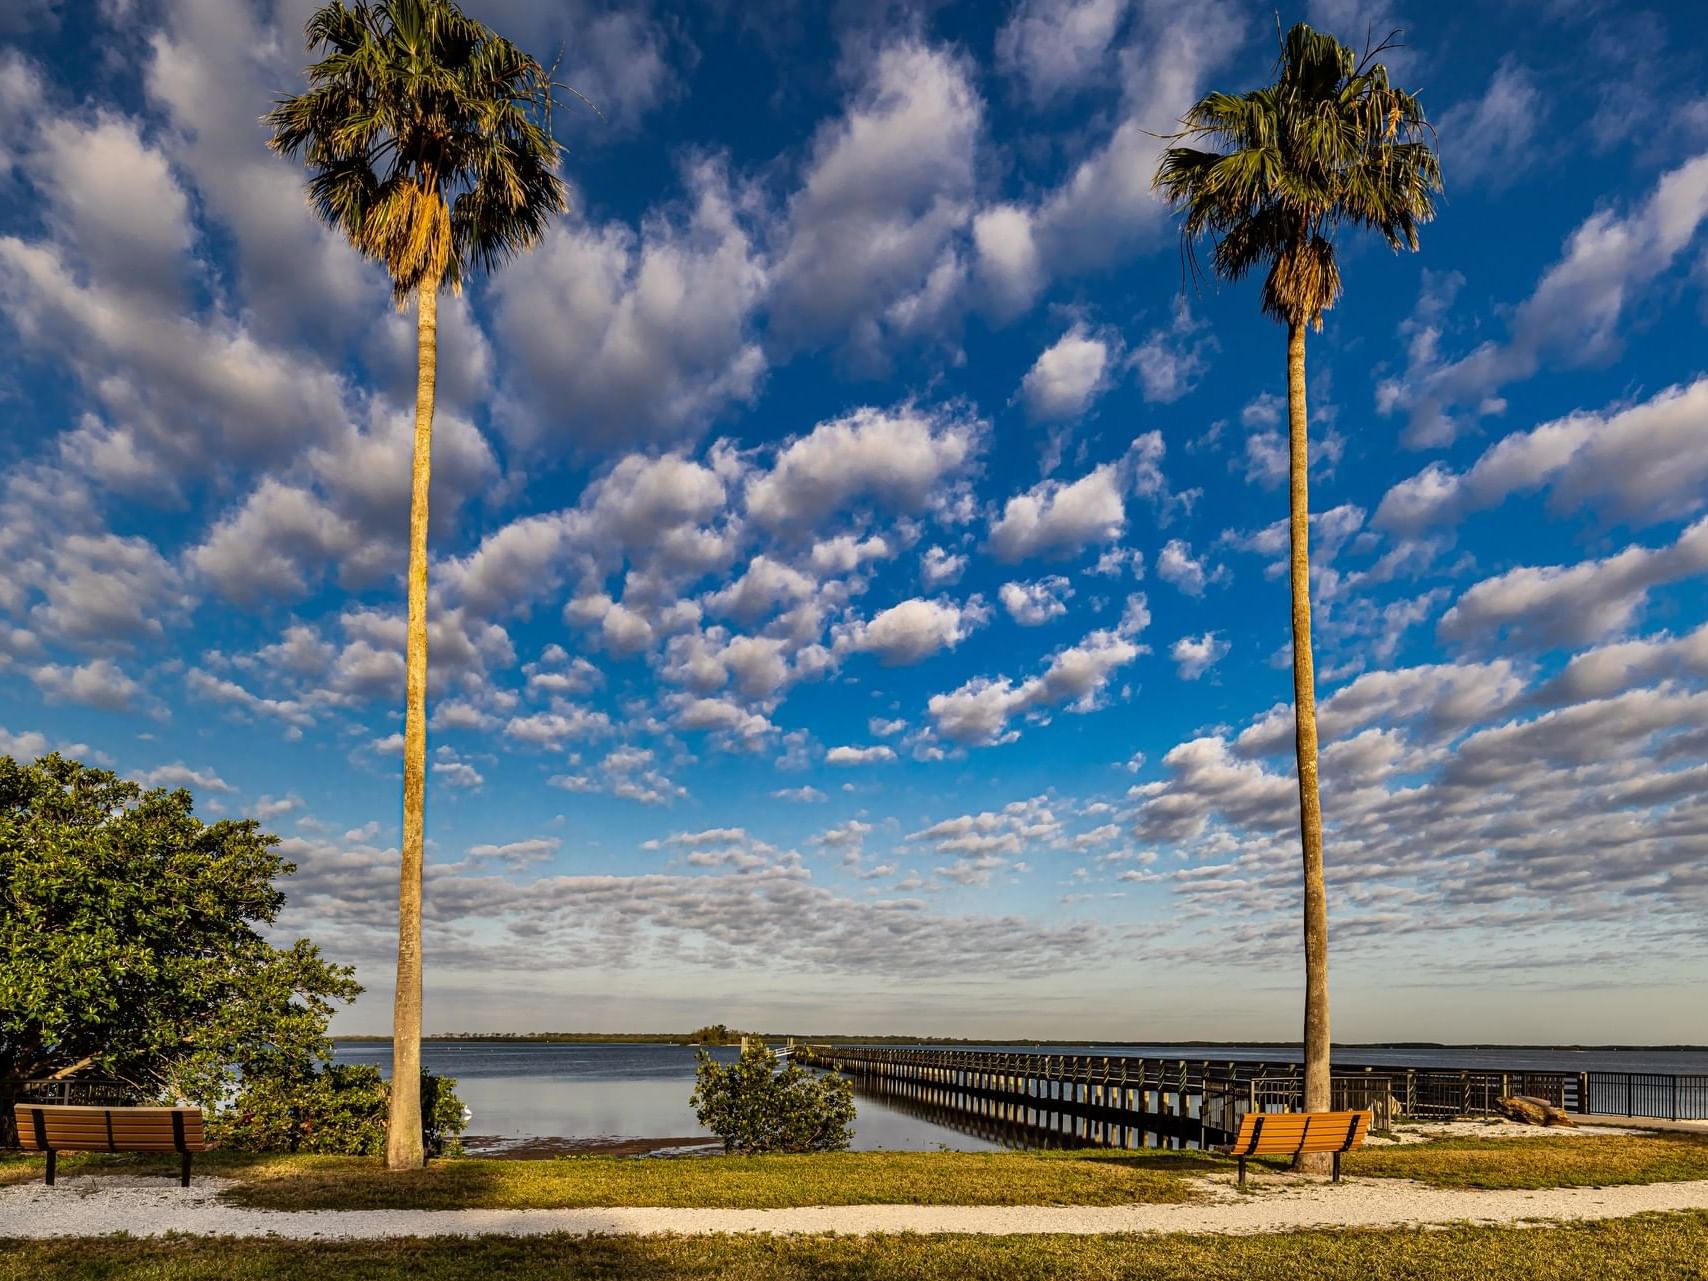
(338, 1110)
(754, 1108)
(130, 944)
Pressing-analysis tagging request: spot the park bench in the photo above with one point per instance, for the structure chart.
(1290, 1133)
(54, 1128)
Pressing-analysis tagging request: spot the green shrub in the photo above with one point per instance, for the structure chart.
(338, 1111)
(754, 1108)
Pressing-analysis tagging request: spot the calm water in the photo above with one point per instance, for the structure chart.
(518, 1090)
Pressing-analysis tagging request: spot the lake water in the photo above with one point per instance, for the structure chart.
(617, 1091)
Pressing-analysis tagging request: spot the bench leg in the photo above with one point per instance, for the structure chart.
(184, 1171)
(1337, 1167)
(52, 1166)
(1242, 1172)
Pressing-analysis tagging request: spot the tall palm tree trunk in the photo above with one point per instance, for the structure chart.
(1305, 738)
(403, 1149)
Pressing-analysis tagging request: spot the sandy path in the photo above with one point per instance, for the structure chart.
(104, 1204)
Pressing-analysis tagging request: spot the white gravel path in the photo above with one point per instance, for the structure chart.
(107, 1203)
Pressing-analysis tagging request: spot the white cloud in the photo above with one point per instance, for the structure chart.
(806, 795)
(628, 772)
(1105, 209)
(1549, 606)
(1647, 462)
(899, 458)
(979, 711)
(99, 683)
(1054, 518)
(1622, 665)
(1195, 655)
(913, 630)
(555, 728)
(1058, 48)
(939, 568)
(723, 716)
(624, 334)
(116, 200)
(1573, 314)
(1493, 139)
(260, 550)
(1172, 359)
(869, 252)
(1068, 376)
(102, 591)
(457, 774)
(180, 775)
(1176, 564)
(859, 755)
(1031, 604)
(1443, 698)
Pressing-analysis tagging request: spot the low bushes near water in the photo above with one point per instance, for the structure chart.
(1637, 1249)
(339, 1110)
(754, 1108)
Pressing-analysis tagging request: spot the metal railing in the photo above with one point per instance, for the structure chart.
(1424, 1093)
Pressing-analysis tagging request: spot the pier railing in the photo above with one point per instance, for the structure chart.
(1125, 1100)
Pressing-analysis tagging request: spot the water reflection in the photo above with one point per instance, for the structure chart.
(539, 1090)
(1003, 1126)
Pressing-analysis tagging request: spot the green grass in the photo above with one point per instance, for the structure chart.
(1571, 1162)
(1648, 1248)
(864, 1178)
(844, 1178)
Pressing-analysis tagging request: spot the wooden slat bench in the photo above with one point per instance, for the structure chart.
(1290, 1133)
(54, 1128)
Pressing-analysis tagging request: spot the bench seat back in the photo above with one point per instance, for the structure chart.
(1285, 1133)
(52, 1127)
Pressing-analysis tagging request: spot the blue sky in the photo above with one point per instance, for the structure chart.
(856, 560)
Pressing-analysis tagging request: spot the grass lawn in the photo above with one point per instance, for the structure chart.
(844, 1178)
(862, 1178)
(1648, 1248)
(1572, 1162)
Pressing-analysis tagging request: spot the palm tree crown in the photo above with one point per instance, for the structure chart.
(427, 136)
(1330, 142)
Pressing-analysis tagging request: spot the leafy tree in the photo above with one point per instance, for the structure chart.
(428, 139)
(1282, 169)
(130, 944)
(337, 1110)
(754, 1108)
(712, 1034)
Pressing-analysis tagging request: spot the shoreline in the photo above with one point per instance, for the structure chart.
(540, 1147)
(898, 1042)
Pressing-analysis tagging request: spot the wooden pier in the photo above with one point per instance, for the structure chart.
(1076, 1100)
(1129, 1102)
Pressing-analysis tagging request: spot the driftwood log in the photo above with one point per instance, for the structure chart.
(1531, 1110)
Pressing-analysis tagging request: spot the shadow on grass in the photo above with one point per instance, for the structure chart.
(1160, 1161)
(1638, 1249)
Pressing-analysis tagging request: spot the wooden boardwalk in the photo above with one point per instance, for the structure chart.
(1127, 1101)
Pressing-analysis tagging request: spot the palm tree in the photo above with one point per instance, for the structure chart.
(428, 141)
(1331, 142)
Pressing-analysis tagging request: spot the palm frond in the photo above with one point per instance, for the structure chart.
(1267, 176)
(427, 137)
